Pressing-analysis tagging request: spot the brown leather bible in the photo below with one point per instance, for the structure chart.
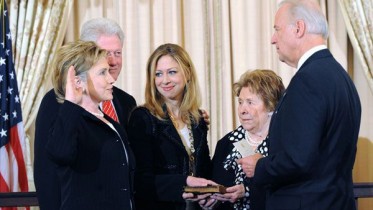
(205, 189)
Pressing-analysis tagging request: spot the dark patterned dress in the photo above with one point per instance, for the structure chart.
(227, 172)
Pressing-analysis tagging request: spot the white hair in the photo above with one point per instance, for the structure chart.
(311, 14)
(94, 28)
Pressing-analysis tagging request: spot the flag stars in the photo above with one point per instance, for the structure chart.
(2, 61)
(10, 90)
(6, 117)
(10, 115)
(9, 35)
(16, 98)
(3, 133)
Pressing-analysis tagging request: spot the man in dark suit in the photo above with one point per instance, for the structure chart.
(314, 129)
(109, 36)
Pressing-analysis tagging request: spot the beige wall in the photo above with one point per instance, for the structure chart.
(363, 169)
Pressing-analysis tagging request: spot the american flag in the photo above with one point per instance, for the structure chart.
(13, 177)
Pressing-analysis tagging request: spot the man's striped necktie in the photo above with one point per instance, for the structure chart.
(109, 110)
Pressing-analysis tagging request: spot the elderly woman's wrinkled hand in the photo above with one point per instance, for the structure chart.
(232, 194)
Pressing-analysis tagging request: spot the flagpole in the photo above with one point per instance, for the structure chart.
(2, 13)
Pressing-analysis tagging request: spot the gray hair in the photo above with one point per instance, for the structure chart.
(311, 14)
(94, 28)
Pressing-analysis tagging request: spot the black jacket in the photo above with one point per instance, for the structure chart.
(95, 163)
(45, 176)
(124, 103)
(162, 162)
(312, 140)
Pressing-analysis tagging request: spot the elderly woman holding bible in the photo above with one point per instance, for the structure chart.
(257, 92)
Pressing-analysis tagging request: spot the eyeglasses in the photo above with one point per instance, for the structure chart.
(116, 54)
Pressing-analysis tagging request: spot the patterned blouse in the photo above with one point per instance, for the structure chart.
(230, 163)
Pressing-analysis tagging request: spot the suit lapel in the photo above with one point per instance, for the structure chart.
(117, 105)
(172, 135)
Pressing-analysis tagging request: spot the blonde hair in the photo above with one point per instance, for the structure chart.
(265, 83)
(80, 54)
(154, 101)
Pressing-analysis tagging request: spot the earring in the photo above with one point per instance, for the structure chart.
(270, 114)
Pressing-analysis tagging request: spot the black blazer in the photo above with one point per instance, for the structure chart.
(45, 176)
(162, 163)
(47, 186)
(95, 163)
(124, 103)
(313, 136)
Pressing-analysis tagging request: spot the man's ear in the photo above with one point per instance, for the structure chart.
(300, 28)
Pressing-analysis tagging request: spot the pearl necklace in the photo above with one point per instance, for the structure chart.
(251, 141)
(99, 114)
